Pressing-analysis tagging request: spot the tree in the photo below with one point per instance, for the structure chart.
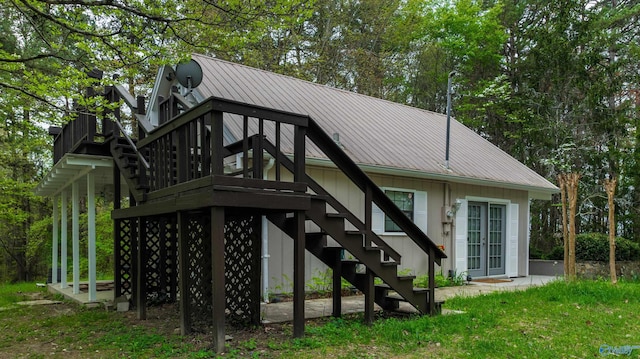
(610, 188)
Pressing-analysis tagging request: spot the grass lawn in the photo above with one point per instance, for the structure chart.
(555, 321)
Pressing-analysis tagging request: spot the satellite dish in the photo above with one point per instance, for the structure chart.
(189, 75)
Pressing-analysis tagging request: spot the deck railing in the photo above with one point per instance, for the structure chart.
(192, 145)
(74, 133)
(86, 128)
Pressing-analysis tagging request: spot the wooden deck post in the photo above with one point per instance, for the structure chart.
(64, 205)
(431, 295)
(185, 294)
(75, 234)
(217, 143)
(337, 285)
(54, 247)
(117, 236)
(369, 298)
(141, 273)
(298, 275)
(217, 273)
(91, 234)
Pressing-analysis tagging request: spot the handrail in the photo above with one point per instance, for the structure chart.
(228, 106)
(333, 202)
(325, 143)
(130, 141)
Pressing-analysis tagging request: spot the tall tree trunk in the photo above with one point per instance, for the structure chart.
(572, 193)
(610, 187)
(562, 183)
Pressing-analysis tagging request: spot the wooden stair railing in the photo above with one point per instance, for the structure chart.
(194, 139)
(367, 248)
(373, 194)
(133, 167)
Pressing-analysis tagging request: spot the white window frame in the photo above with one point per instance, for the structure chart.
(416, 211)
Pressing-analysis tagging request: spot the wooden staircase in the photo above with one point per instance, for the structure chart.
(356, 260)
(183, 166)
(127, 157)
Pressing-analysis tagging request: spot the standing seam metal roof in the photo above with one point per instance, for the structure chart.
(373, 131)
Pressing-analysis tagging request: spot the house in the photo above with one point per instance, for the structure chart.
(478, 208)
(232, 163)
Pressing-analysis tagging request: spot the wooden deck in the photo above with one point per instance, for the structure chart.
(191, 231)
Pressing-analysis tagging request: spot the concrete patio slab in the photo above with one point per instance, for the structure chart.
(316, 308)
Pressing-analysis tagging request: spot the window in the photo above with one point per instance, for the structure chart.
(404, 201)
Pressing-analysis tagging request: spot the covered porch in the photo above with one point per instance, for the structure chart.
(73, 184)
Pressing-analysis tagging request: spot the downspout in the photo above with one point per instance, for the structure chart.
(265, 241)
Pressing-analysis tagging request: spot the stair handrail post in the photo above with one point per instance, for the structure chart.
(217, 143)
(360, 179)
(432, 282)
(258, 155)
(141, 111)
(299, 149)
(90, 117)
(368, 213)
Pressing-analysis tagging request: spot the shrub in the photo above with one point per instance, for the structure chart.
(557, 253)
(595, 247)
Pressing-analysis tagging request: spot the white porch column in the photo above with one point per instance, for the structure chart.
(91, 228)
(54, 247)
(63, 239)
(75, 234)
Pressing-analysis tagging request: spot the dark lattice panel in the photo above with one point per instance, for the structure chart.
(124, 257)
(161, 263)
(242, 269)
(198, 276)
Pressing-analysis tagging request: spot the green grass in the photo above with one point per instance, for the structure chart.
(12, 293)
(557, 320)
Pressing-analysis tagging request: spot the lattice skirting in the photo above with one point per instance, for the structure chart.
(242, 248)
(242, 270)
(161, 252)
(160, 258)
(197, 244)
(123, 251)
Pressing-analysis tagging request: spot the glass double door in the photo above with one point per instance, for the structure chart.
(486, 234)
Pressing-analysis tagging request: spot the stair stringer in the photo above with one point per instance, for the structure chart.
(128, 164)
(353, 242)
(371, 257)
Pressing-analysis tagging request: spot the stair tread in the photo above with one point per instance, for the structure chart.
(336, 215)
(389, 264)
(415, 289)
(406, 277)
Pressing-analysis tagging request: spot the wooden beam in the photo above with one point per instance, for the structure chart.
(337, 284)
(75, 234)
(298, 275)
(141, 290)
(369, 298)
(55, 239)
(64, 205)
(217, 268)
(91, 234)
(185, 308)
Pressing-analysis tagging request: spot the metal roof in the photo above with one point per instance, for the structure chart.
(376, 133)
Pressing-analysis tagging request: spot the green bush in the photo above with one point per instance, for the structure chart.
(557, 253)
(595, 247)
